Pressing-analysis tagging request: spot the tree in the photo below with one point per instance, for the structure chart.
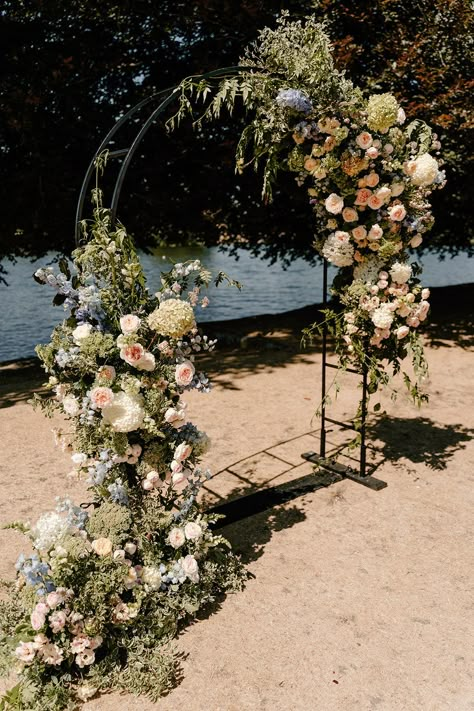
(71, 69)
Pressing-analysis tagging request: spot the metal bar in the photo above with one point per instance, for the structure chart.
(346, 370)
(363, 453)
(342, 472)
(345, 425)
(322, 446)
(117, 154)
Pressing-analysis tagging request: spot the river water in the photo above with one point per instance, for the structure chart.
(28, 315)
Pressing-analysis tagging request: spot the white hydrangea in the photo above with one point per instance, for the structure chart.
(400, 273)
(173, 318)
(424, 170)
(125, 413)
(382, 317)
(151, 577)
(368, 271)
(338, 249)
(49, 529)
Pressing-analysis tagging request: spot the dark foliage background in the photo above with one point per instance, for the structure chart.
(72, 67)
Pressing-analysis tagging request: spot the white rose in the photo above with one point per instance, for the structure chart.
(79, 458)
(192, 531)
(190, 567)
(334, 204)
(129, 323)
(81, 332)
(71, 405)
(176, 537)
(400, 273)
(146, 362)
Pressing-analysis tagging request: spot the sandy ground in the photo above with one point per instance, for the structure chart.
(358, 599)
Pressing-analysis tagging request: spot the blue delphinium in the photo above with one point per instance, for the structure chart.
(35, 573)
(294, 99)
(118, 493)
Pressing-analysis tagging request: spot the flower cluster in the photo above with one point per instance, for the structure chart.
(124, 574)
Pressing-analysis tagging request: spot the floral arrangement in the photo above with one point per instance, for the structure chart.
(368, 177)
(109, 583)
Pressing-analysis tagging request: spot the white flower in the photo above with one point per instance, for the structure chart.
(400, 273)
(382, 317)
(334, 204)
(401, 116)
(176, 537)
(423, 170)
(176, 416)
(71, 405)
(81, 332)
(338, 249)
(129, 323)
(182, 451)
(107, 372)
(130, 548)
(192, 531)
(172, 318)
(102, 546)
(52, 654)
(126, 413)
(146, 362)
(402, 332)
(85, 658)
(48, 530)
(79, 458)
(190, 567)
(151, 577)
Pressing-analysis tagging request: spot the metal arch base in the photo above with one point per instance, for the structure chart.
(337, 472)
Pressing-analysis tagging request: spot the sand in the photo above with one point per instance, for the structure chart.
(357, 599)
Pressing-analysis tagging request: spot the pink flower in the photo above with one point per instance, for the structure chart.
(184, 373)
(178, 477)
(375, 202)
(364, 140)
(190, 566)
(182, 451)
(359, 233)
(132, 354)
(362, 196)
(413, 321)
(334, 204)
(107, 372)
(402, 332)
(57, 620)
(375, 232)
(372, 152)
(101, 397)
(176, 537)
(372, 180)
(416, 241)
(129, 323)
(397, 213)
(384, 193)
(85, 658)
(350, 215)
(192, 531)
(52, 654)
(38, 616)
(25, 652)
(425, 294)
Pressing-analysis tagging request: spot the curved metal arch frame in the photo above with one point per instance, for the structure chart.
(170, 95)
(335, 471)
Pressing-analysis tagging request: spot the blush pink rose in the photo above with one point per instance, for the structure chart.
(372, 180)
(364, 140)
(402, 332)
(397, 213)
(375, 202)
(359, 233)
(350, 215)
(182, 451)
(375, 232)
(107, 372)
(416, 241)
(184, 373)
(362, 196)
(101, 397)
(372, 152)
(38, 619)
(132, 354)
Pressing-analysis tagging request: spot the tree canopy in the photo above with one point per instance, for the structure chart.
(70, 70)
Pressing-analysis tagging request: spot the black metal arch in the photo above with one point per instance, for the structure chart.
(164, 99)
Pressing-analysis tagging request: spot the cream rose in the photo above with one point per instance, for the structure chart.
(81, 332)
(129, 323)
(190, 567)
(102, 546)
(364, 140)
(71, 405)
(334, 204)
(192, 531)
(182, 452)
(184, 373)
(101, 397)
(359, 233)
(375, 202)
(107, 372)
(350, 215)
(375, 232)
(362, 196)
(372, 179)
(176, 537)
(402, 332)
